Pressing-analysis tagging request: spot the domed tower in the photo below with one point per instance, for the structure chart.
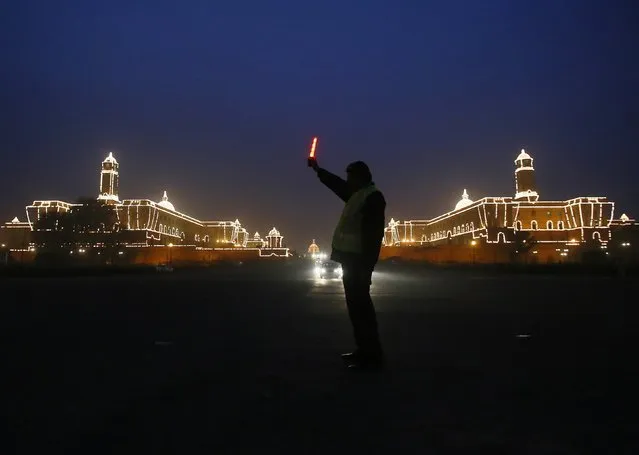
(274, 239)
(525, 187)
(464, 201)
(109, 180)
(166, 203)
(313, 249)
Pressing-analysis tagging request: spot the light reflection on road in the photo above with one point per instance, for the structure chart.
(383, 283)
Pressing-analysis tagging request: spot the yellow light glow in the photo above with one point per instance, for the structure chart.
(313, 145)
(473, 242)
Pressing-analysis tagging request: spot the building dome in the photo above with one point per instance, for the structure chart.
(165, 203)
(523, 156)
(464, 201)
(313, 248)
(110, 159)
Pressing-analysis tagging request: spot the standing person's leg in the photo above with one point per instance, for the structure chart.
(361, 311)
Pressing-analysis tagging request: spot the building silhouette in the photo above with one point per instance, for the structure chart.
(506, 228)
(140, 228)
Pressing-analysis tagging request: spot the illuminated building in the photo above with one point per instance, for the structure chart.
(15, 235)
(313, 249)
(274, 239)
(110, 179)
(501, 229)
(139, 227)
(256, 242)
(274, 243)
(625, 232)
(313, 252)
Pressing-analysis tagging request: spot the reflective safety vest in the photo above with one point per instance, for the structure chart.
(348, 233)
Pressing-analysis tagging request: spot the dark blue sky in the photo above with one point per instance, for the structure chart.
(216, 102)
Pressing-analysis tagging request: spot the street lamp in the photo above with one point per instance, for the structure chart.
(473, 243)
(170, 257)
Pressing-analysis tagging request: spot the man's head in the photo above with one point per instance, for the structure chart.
(358, 175)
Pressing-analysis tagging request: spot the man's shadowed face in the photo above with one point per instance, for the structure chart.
(357, 175)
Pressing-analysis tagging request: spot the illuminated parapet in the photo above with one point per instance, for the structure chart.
(226, 233)
(40, 209)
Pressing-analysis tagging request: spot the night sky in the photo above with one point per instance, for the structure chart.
(217, 102)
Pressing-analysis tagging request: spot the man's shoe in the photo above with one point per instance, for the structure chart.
(367, 365)
(350, 356)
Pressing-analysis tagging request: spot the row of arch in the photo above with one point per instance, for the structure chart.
(468, 227)
(164, 229)
(534, 226)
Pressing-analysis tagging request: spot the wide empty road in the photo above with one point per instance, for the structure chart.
(246, 360)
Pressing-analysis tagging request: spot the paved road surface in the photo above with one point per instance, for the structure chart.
(247, 361)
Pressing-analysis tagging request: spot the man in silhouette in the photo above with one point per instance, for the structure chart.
(356, 244)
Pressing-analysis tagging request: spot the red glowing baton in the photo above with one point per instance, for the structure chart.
(311, 155)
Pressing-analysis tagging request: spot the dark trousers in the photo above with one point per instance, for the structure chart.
(357, 282)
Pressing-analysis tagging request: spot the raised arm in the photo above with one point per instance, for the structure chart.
(336, 184)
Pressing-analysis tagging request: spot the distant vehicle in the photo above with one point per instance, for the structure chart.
(328, 270)
(164, 268)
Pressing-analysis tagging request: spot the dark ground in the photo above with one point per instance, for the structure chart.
(247, 361)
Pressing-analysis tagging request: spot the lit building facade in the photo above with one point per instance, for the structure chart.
(313, 252)
(16, 235)
(313, 249)
(109, 180)
(497, 229)
(143, 225)
(256, 241)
